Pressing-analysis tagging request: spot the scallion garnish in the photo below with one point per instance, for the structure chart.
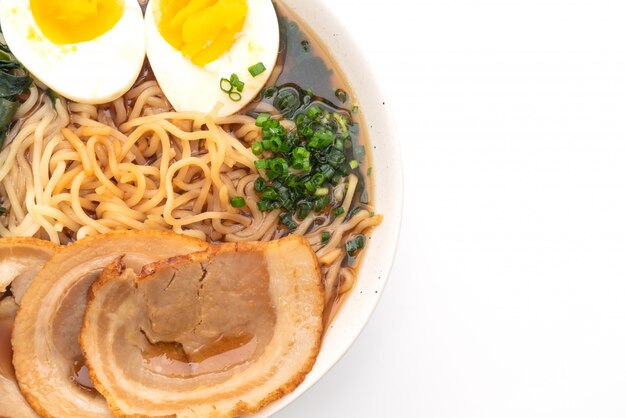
(262, 118)
(225, 85)
(353, 245)
(288, 221)
(261, 164)
(269, 194)
(237, 202)
(236, 83)
(300, 168)
(256, 69)
(257, 148)
(233, 87)
(325, 237)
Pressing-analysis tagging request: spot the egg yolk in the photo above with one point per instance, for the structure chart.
(72, 21)
(202, 29)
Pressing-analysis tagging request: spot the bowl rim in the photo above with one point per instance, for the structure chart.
(392, 221)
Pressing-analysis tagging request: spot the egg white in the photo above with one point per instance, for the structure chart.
(92, 72)
(190, 87)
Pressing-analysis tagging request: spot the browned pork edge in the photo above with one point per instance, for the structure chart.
(87, 241)
(35, 243)
(113, 272)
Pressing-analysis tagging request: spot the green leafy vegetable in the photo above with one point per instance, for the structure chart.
(14, 79)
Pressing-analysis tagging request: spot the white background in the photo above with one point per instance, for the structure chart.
(508, 297)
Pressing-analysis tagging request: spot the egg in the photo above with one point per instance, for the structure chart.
(195, 46)
(90, 51)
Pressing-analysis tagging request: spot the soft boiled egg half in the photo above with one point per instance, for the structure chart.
(90, 51)
(196, 46)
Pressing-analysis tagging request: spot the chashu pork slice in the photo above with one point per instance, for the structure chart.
(218, 333)
(20, 260)
(46, 353)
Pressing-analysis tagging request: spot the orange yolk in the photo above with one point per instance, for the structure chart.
(203, 30)
(72, 21)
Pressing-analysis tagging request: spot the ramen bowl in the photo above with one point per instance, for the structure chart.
(358, 306)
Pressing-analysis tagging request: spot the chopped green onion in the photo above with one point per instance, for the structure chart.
(304, 208)
(336, 179)
(335, 157)
(261, 164)
(369, 171)
(233, 87)
(279, 166)
(236, 83)
(355, 109)
(318, 179)
(322, 191)
(301, 167)
(301, 158)
(313, 111)
(288, 221)
(259, 185)
(225, 85)
(256, 69)
(321, 203)
(237, 202)
(327, 171)
(269, 194)
(257, 148)
(263, 206)
(287, 102)
(3, 210)
(262, 118)
(325, 237)
(351, 247)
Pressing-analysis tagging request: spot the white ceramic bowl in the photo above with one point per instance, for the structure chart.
(388, 193)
